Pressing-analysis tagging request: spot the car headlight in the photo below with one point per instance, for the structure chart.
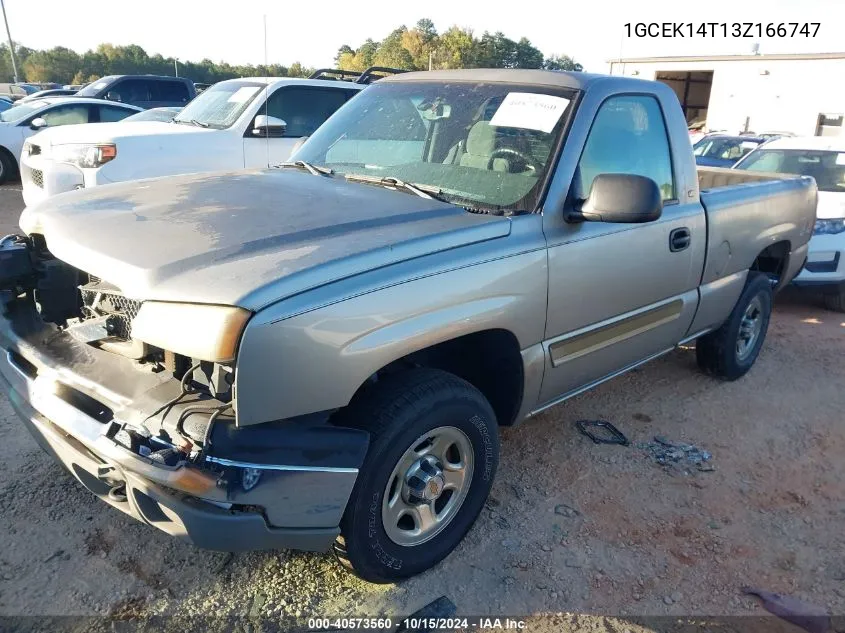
(829, 227)
(201, 331)
(84, 155)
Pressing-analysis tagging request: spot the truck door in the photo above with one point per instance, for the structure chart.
(303, 109)
(621, 293)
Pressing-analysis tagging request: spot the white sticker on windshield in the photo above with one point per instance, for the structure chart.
(242, 95)
(530, 111)
(840, 159)
(748, 145)
(101, 85)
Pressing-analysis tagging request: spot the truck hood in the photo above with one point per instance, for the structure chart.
(247, 238)
(114, 132)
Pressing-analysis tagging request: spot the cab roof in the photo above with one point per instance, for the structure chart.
(529, 77)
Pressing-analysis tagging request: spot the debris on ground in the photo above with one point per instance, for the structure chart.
(677, 455)
(601, 432)
(809, 617)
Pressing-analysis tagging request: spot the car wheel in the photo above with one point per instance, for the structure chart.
(730, 351)
(7, 166)
(433, 454)
(835, 300)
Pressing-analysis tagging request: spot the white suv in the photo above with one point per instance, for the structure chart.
(823, 158)
(234, 124)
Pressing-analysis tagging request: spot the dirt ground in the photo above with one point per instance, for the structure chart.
(570, 526)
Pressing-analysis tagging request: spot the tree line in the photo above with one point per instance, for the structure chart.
(417, 48)
(423, 48)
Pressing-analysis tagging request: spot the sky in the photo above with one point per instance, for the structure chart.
(309, 32)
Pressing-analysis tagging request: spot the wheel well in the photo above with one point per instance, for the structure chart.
(772, 261)
(489, 360)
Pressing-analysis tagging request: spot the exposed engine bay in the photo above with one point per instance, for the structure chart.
(97, 314)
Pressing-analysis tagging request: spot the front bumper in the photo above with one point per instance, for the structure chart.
(50, 382)
(825, 262)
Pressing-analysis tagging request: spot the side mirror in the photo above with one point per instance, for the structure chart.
(112, 96)
(37, 123)
(620, 198)
(268, 126)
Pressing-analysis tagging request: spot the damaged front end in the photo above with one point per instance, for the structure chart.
(153, 432)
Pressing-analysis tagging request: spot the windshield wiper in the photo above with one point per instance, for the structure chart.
(423, 191)
(314, 170)
(191, 121)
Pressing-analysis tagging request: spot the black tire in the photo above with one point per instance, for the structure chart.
(397, 411)
(717, 352)
(835, 301)
(8, 166)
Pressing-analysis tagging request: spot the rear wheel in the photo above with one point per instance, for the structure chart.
(433, 454)
(730, 351)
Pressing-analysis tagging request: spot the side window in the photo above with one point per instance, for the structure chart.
(628, 137)
(109, 114)
(170, 91)
(304, 109)
(130, 91)
(66, 115)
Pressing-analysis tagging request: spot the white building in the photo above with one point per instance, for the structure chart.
(799, 93)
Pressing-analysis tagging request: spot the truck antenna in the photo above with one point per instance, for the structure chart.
(266, 94)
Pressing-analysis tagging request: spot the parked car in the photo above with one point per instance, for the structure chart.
(251, 122)
(144, 91)
(52, 92)
(279, 357)
(723, 150)
(823, 158)
(771, 135)
(17, 91)
(154, 114)
(23, 120)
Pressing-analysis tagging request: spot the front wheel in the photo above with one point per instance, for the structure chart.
(7, 166)
(433, 454)
(730, 351)
(835, 300)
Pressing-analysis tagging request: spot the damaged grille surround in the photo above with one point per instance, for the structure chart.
(102, 299)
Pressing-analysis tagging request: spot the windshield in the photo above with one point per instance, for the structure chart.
(484, 146)
(828, 168)
(21, 111)
(221, 105)
(724, 148)
(95, 87)
(154, 114)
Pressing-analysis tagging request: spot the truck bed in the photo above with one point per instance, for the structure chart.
(748, 212)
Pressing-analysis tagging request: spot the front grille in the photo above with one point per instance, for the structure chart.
(37, 177)
(101, 299)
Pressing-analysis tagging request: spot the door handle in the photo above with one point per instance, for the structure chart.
(679, 239)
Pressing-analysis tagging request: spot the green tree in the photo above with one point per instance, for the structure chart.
(346, 49)
(561, 62)
(455, 49)
(527, 55)
(392, 53)
(495, 51)
(57, 64)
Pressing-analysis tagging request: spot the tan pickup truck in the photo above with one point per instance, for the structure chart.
(320, 355)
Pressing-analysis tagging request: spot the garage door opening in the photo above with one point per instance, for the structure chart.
(693, 90)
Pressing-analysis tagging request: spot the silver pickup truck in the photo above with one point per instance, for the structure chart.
(319, 355)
